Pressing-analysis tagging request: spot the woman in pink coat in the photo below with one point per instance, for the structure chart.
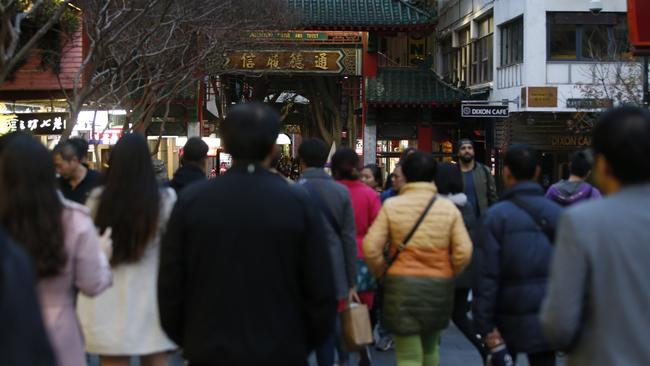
(366, 206)
(58, 234)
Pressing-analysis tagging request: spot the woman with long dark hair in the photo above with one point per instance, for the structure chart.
(366, 206)
(124, 322)
(57, 233)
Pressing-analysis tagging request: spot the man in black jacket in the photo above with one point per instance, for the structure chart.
(23, 340)
(245, 273)
(513, 252)
(193, 164)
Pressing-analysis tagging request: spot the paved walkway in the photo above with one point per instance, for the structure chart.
(455, 351)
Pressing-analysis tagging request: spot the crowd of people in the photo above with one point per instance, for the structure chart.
(252, 269)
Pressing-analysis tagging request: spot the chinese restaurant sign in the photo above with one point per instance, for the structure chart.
(36, 123)
(332, 61)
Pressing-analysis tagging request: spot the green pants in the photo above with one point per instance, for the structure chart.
(417, 350)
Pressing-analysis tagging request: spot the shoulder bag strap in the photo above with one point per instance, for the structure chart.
(401, 247)
(542, 223)
(329, 216)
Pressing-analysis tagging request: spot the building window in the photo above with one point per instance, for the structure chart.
(448, 59)
(482, 52)
(586, 36)
(463, 55)
(512, 42)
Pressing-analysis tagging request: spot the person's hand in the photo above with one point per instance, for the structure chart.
(106, 243)
(353, 296)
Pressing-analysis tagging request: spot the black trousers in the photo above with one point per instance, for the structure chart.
(464, 323)
(546, 358)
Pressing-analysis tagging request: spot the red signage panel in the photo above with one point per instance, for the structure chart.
(638, 13)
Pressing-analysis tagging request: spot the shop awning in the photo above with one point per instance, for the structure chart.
(411, 87)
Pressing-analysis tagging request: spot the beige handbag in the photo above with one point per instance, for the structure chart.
(357, 331)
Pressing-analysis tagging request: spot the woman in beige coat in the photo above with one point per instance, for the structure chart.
(419, 285)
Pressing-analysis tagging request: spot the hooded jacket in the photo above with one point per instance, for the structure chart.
(567, 193)
(419, 287)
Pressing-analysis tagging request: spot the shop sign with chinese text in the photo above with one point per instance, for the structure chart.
(330, 61)
(36, 123)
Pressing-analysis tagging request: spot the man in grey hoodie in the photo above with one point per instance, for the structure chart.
(575, 189)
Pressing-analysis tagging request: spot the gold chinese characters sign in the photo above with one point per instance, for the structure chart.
(542, 97)
(298, 61)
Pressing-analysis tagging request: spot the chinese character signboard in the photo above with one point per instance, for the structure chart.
(330, 61)
(109, 136)
(542, 97)
(36, 123)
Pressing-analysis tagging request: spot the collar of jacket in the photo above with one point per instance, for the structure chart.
(525, 189)
(315, 173)
(418, 187)
(252, 168)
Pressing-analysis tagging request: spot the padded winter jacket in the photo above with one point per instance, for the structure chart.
(419, 287)
(512, 264)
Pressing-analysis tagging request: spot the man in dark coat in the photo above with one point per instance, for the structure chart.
(245, 272)
(193, 164)
(23, 340)
(513, 253)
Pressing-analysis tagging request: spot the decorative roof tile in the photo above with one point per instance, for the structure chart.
(411, 86)
(361, 14)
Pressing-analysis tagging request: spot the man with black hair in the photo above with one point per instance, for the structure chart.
(599, 293)
(245, 272)
(335, 205)
(513, 252)
(575, 189)
(193, 164)
(82, 148)
(477, 179)
(76, 180)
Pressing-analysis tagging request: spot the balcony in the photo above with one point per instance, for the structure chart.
(510, 76)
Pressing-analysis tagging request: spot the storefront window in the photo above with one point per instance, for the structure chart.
(594, 42)
(563, 42)
(583, 36)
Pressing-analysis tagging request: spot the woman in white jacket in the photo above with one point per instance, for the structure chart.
(123, 321)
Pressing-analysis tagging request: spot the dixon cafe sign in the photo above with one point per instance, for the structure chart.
(476, 110)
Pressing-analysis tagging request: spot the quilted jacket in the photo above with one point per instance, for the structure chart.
(419, 286)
